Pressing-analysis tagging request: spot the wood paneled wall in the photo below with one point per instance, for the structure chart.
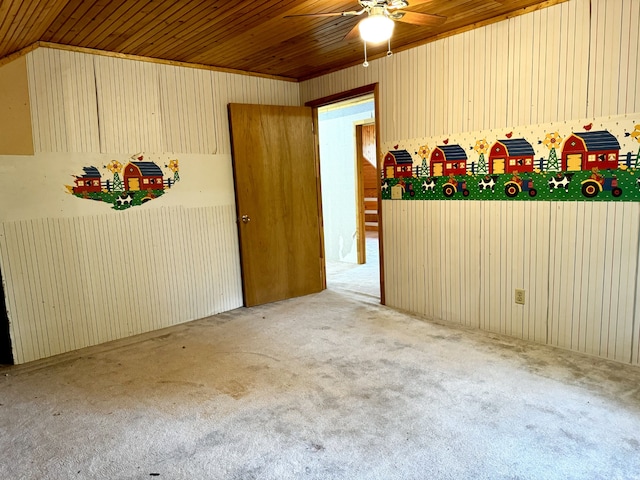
(460, 261)
(80, 281)
(91, 103)
(577, 261)
(78, 278)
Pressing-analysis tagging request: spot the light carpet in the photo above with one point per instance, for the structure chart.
(320, 387)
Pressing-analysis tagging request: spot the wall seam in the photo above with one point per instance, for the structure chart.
(634, 318)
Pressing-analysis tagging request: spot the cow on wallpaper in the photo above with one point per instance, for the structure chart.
(560, 180)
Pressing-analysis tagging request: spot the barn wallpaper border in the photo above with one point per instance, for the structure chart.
(579, 160)
(141, 182)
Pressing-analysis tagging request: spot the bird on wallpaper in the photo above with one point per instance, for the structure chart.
(508, 135)
(446, 141)
(395, 147)
(587, 127)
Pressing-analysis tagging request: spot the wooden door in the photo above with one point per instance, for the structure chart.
(277, 185)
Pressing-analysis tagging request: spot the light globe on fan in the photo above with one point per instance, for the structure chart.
(376, 28)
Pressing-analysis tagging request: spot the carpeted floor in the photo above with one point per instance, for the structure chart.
(321, 387)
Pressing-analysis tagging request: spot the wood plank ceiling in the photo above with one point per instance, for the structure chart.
(248, 35)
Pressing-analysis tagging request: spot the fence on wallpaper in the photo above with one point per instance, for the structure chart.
(80, 281)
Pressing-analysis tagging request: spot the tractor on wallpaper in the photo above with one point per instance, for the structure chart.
(130, 185)
(543, 162)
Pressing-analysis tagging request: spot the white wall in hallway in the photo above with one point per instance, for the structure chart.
(338, 174)
(460, 261)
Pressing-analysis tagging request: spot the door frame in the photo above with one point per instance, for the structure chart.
(360, 202)
(348, 95)
(360, 227)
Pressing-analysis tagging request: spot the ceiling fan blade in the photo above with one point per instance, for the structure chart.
(335, 14)
(353, 33)
(413, 3)
(424, 19)
(331, 14)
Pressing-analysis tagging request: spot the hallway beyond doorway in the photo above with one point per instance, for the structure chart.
(362, 279)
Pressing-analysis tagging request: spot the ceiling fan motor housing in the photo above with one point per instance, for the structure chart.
(383, 3)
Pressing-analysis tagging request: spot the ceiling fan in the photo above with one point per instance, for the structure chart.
(377, 26)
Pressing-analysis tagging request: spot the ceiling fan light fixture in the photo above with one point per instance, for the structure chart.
(376, 29)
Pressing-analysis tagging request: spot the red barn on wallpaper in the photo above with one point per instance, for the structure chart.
(511, 155)
(398, 163)
(89, 182)
(448, 160)
(587, 150)
(142, 176)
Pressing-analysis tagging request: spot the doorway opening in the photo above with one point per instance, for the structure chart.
(6, 355)
(349, 173)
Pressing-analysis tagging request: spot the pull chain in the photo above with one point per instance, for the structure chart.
(389, 52)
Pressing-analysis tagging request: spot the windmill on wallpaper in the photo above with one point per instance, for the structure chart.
(136, 183)
(569, 161)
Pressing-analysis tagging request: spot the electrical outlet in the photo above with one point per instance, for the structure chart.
(519, 296)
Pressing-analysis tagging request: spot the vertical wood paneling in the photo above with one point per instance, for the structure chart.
(633, 242)
(538, 275)
(630, 94)
(578, 88)
(433, 271)
(613, 60)
(172, 265)
(593, 277)
(389, 246)
(88, 103)
(188, 110)
(63, 104)
(129, 105)
(575, 260)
